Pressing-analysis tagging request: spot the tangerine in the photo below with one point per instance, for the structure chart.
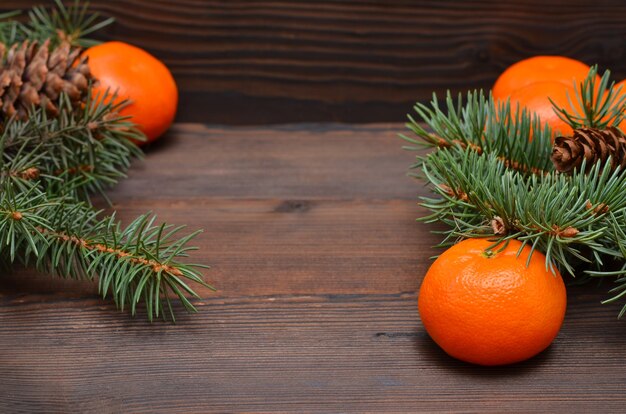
(539, 69)
(140, 77)
(488, 307)
(534, 97)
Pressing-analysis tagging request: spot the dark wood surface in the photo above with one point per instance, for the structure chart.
(259, 61)
(311, 234)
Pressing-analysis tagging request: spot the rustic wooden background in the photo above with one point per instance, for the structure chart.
(311, 235)
(309, 228)
(258, 62)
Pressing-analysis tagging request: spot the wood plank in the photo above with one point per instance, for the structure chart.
(266, 247)
(322, 353)
(290, 161)
(258, 61)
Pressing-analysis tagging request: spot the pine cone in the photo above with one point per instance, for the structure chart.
(592, 145)
(32, 74)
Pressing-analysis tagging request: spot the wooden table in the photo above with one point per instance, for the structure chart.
(315, 251)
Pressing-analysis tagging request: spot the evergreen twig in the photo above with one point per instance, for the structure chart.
(94, 144)
(479, 123)
(49, 169)
(595, 105)
(71, 23)
(65, 238)
(491, 174)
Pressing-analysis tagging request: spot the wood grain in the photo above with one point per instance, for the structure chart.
(288, 161)
(316, 308)
(251, 61)
(274, 247)
(321, 209)
(322, 353)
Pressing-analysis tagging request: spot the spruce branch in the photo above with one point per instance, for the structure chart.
(479, 123)
(61, 23)
(66, 238)
(529, 208)
(595, 105)
(492, 176)
(93, 144)
(48, 166)
(60, 145)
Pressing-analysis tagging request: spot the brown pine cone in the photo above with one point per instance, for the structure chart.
(32, 74)
(592, 145)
